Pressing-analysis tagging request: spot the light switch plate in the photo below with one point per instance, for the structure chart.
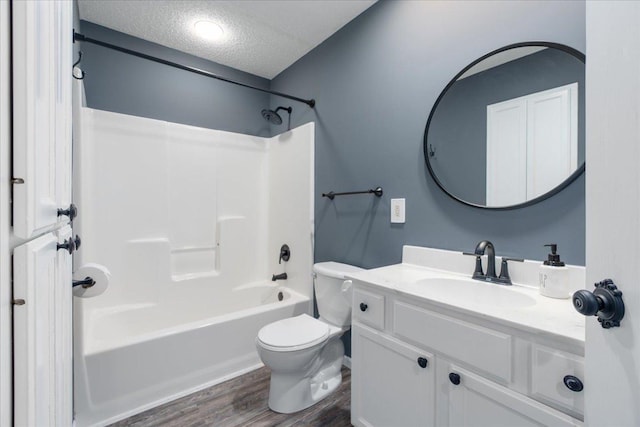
(397, 211)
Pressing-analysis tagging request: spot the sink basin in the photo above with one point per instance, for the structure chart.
(472, 293)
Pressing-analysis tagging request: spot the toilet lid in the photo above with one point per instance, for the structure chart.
(301, 332)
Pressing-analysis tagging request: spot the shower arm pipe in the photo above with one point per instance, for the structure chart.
(82, 38)
(331, 194)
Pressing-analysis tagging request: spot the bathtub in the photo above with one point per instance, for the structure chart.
(133, 357)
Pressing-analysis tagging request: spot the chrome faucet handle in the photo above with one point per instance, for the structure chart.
(477, 272)
(504, 277)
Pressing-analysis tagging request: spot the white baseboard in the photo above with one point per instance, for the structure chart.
(346, 362)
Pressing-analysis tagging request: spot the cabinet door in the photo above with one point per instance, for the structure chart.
(478, 402)
(388, 385)
(42, 332)
(42, 32)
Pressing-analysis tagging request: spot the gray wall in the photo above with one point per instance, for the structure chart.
(458, 129)
(126, 84)
(375, 82)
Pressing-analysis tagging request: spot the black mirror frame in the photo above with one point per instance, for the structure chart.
(576, 53)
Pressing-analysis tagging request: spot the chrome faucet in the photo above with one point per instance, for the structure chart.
(487, 247)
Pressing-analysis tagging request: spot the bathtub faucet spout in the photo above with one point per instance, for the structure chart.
(282, 276)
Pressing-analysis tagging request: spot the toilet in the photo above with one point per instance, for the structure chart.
(305, 354)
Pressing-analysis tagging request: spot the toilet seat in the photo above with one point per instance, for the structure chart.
(294, 333)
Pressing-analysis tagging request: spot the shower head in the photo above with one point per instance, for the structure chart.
(273, 117)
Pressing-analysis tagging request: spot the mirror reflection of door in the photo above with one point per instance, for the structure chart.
(535, 91)
(532, 144)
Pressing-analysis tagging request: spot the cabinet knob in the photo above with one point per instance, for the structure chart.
(573, 383)
(454, 378)
(68, 245)
(423, 362)
(605, 302)
(363, 306)
(71, 212)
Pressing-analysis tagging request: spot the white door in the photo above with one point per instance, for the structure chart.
(42, 34)
(612, 356)
(42, 332)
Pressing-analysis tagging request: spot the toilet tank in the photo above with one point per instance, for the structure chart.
(334, 299)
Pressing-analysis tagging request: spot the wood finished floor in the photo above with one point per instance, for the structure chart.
(242, 401)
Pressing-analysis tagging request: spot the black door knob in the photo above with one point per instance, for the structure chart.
(454, 378)
(585, 302)
(363, 306)
(573, 383)
(68, 245)
(423, 362)
(605, 302)
(71, 212)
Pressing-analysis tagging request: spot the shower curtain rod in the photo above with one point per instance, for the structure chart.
(82, 38)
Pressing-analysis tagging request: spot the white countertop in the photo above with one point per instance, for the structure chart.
(532, 312)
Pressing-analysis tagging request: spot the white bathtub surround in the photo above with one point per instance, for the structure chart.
(189, 222)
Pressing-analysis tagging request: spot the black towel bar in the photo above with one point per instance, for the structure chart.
(331, 194)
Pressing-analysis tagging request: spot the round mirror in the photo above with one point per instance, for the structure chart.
(508, 130)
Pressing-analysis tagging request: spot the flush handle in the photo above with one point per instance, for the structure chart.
(363, 306)
(605, 302)
(423, 362)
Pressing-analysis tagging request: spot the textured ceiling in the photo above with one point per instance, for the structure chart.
(261, 37)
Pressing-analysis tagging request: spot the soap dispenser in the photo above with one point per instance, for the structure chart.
(554, 276)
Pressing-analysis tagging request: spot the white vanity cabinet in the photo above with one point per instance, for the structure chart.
(479, 372)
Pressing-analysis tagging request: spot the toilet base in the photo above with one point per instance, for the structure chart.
(289, 393)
